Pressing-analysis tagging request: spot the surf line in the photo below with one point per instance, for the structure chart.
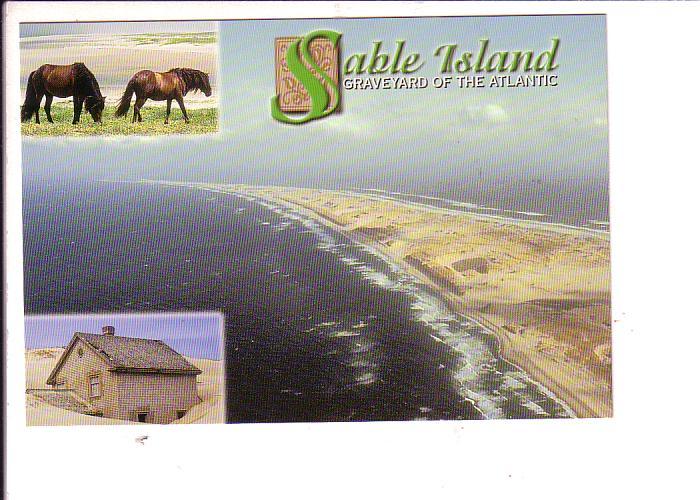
(476, 398)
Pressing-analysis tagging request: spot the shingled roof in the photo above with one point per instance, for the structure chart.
(129, 354)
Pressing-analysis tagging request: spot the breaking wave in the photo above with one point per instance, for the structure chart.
(495, 387)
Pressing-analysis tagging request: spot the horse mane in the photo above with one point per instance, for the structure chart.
(193, 79)
(85, 80)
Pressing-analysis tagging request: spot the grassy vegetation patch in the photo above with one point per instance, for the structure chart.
(202, 121)
(203, 38)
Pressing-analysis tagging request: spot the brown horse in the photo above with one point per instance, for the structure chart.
(63, 81)
(173, 84)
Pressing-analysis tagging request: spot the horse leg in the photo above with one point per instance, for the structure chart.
(167, 110)
(39, 96)
(181, 102)
(38, 107)
(47, 107)
(140, 101)
(77, 108)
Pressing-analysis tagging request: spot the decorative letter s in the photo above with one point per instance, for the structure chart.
(313, 85)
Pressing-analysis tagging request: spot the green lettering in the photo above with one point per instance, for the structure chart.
(378, 63)
(408, 64)
(482, 53)
(446, 66)
(359, 64)
(397, 56)
(317, 93)
(549, 55)
(497, 62)
(464, 65)
(526, 58)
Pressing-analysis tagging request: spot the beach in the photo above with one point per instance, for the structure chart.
(40, 362)
(114, 58)
(543, 290)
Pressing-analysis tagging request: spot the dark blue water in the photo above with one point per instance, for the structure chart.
(317, 328)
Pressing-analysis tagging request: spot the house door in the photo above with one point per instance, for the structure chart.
(141, 416)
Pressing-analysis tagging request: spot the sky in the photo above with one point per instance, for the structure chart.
(196, 335)
(422, 141)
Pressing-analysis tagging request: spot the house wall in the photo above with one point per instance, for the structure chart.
(161, 395)
(76, 372)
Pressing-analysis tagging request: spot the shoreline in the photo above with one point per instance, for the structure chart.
(518, 362)
(556, 227)
(583, 387)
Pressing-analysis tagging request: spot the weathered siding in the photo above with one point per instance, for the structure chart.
(161, 395)
(123, 395)
(76, 372)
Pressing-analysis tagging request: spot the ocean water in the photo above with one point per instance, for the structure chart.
(317, 327)
(537, 205)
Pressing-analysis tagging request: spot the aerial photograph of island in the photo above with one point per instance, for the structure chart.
(421, 254)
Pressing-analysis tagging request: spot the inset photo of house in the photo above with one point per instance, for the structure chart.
(125, 369)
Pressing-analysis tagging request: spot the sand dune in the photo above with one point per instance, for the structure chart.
(40, 362)
(543, 290)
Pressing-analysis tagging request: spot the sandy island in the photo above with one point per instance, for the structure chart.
(542, 289)
(40, 362)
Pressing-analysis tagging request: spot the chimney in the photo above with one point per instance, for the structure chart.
(107, 330)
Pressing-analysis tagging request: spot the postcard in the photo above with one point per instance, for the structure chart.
(390, 219)
(349, 249)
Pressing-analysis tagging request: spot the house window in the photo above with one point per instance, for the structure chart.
(181, 413)
(141, 416)
(95, 386)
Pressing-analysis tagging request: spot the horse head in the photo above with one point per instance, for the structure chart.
(206, 87)
(95, 105)
(26, 112)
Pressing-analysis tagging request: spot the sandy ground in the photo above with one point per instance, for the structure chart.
(114, 59)
(543, 290)
(40, 362)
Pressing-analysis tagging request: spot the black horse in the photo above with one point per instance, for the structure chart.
(63, 81)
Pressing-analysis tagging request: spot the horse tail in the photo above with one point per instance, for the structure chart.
(125, 101)
(30, 100)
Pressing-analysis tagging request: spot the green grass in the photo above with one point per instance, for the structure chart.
(203, 38)
(202, 121)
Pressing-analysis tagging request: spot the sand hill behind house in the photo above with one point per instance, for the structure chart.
(40, 362)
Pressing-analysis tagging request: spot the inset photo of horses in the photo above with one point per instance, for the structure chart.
(119, 78)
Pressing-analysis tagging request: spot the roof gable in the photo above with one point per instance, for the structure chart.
(66, 352)
(138, 354)
(130, 354)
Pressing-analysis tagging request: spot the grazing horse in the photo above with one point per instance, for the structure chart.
(63, 81)
(173, 84)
